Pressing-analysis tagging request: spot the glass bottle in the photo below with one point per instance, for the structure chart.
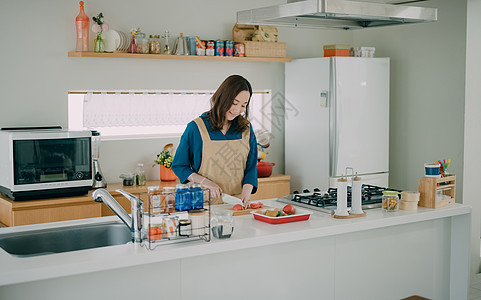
(154, 44)
(82, 25)
(166, 47)
(140, 175)
(99, 43)
(133, 45)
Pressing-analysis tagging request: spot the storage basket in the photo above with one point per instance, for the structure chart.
(265, 49)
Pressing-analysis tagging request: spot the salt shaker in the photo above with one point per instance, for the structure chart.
(356, 207)
(341, 209)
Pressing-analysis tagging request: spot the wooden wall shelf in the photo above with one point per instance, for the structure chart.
(180, 57)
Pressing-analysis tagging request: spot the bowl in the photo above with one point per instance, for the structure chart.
(264, 169)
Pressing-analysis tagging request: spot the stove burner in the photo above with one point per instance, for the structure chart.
(371, 198)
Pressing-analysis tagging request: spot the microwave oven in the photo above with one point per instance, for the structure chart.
(45, 163)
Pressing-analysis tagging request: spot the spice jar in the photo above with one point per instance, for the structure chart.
(185, 227)
(154, 44)
(390, 200)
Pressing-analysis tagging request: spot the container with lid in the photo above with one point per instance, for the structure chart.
(198, 218)
(390, 200)
(197, 196)
(128, 179)
(140, 175)
(142, 43)
(154, 199)
(183, 198)
(185, 227)
(154, 44)
(168, 199)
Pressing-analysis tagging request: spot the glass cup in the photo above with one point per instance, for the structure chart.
(222, 224)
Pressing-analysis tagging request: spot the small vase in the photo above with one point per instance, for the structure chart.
(166, 174)
(99, 44)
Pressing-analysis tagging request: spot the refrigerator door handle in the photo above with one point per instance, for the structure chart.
(324, 99)
(333, 119)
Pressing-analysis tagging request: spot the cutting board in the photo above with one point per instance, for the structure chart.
(245, 211)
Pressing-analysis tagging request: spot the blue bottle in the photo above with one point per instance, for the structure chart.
(197, 196)
(183, 198)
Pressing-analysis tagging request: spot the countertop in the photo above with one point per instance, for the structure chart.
(248, 233)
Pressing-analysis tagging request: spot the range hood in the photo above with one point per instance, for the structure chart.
(339, 14)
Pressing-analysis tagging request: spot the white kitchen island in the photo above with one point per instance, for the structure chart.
(381, 256)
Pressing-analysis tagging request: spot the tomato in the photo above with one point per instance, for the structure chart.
(256, 205)
(237, 207)
(289, 209)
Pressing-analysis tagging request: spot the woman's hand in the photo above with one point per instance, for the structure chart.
(246, 194)
(215, 190)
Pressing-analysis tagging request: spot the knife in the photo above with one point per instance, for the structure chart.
(231, 200)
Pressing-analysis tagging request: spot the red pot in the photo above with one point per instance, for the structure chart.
(264, 169)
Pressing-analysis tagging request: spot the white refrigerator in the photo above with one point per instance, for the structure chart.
(336, 117)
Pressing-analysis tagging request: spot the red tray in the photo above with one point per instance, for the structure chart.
(281, 220)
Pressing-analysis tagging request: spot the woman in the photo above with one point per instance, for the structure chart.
(219, 149)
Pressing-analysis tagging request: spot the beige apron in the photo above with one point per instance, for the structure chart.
(224, 161)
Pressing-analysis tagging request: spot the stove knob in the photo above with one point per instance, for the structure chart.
(306, 191)
(316, 190)
(295, 192)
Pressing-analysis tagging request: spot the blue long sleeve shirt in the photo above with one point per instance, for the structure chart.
(188, 156)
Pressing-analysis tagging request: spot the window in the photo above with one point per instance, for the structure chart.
(144, 114)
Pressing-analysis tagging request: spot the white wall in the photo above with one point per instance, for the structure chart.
(472, 139)
(36, 73)
(427, 92)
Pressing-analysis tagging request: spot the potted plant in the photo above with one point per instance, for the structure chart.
(164, 160)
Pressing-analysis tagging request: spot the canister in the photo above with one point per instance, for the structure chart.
(168, 199)
(197, 196)
(170, 226)
(183, 198)
(154, 44)
(198, 218)
(390, 200)
(155, 199)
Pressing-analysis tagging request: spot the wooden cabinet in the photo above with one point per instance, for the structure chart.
(15, 213)
(276, 185)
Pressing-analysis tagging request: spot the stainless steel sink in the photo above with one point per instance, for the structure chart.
(65, 239)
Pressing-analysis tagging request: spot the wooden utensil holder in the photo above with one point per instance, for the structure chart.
(429, 187)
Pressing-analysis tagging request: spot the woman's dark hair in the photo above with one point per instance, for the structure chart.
(222, 101)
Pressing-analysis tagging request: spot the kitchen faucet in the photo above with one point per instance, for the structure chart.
(137, 208)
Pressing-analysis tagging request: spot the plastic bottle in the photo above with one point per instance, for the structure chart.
(82, 25)
(140, 175)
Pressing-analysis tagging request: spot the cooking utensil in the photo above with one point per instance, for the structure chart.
(264, 169)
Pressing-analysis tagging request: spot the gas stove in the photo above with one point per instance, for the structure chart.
(327, 202)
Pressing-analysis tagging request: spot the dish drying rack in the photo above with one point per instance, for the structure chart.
(161, 221)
